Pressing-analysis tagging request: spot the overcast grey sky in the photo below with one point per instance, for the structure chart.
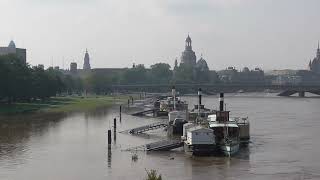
(271, 34)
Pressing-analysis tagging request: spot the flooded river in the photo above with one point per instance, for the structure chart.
(284, 133)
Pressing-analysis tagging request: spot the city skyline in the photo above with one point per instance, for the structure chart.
(228, 33)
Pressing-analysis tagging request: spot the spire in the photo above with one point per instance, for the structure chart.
(12, 44)
(86, 64)
(310, 65)
(188, 43)
(175, 64)
(188, 38)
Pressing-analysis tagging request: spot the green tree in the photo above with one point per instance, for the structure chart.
(135, 75)
(98, 83)
(185, 74)
(160, 73)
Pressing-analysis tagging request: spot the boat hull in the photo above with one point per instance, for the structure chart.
(229, 150)
(200, 149)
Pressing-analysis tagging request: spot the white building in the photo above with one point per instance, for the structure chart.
(11, 49)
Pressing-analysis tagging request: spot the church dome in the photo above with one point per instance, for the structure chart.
(12, 44)
(202, 64)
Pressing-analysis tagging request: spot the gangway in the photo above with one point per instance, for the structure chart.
(163, 145)
(145, 112)
(148, 127)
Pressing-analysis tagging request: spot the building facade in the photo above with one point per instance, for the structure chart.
(314, 65)
(73, 67)
(11, 49)
(246, 76)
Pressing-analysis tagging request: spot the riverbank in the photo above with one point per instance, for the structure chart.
(62, 105)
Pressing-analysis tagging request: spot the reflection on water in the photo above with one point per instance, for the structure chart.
(109, 156)
(284, 144)
(17, 131)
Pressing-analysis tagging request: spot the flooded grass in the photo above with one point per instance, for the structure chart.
(61, 104)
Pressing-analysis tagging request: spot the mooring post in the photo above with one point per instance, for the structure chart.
(115, 125)
(120, 111)
(128, 103)
(109, 156)
(109, 138)
(114, 129)
(131, 100)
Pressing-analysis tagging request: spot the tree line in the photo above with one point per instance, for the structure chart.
(21, 82)
(159, 73)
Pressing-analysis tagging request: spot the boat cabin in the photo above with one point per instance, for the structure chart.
(200, 136)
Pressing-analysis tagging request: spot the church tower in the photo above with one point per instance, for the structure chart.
(188, 55)
(314, 65)
(86, 64)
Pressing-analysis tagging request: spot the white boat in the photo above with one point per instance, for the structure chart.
(226, 130)
(230, 148)
(226, 136)
(198, 140)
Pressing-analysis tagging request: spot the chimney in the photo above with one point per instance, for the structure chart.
(200, 96)
(174, 97)
(221, 99)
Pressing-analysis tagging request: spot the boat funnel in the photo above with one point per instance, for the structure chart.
(174, 96)
(200, 96)
(173, 91)
(221, 99)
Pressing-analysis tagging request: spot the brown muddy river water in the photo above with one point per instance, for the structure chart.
(284, 133)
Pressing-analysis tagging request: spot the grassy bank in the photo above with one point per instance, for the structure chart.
(62, 104)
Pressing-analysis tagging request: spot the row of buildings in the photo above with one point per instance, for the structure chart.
(309, 76)
(189, 59)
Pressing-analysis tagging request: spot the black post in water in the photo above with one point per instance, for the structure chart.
(221, 99)
(128, 103)
(115, 125)
(109, 155)
(109, 138)
(120, 112)
(131, 100)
